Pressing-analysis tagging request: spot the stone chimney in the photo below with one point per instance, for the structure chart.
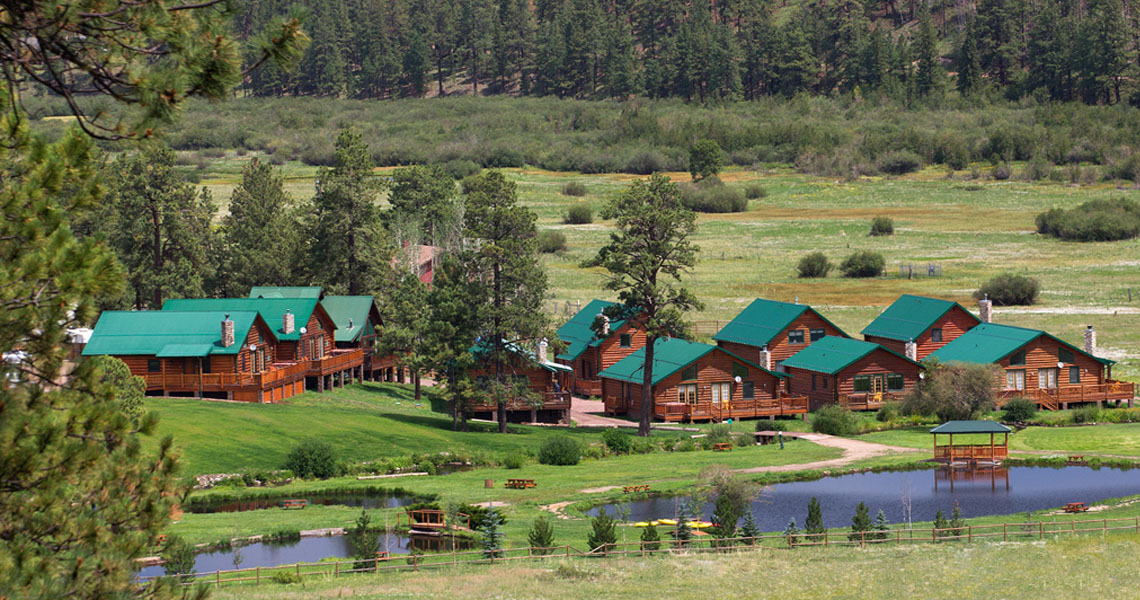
(986, 309)
(912, 350)
(605, 324)
(542, 345)
(287, 325)
(765, 358)
(227, 332)
(1090, 340)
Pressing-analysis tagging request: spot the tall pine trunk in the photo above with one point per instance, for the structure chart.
(647, 388)
(416, 379)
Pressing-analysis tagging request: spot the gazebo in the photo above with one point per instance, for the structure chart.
(971, 453)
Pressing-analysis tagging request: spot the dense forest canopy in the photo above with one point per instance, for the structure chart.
(706, 51)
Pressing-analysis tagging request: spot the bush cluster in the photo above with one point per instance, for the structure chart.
(560, 450)
(835, 420)
(1019, 410)
(579, 214)
(900, 162)
(551, 241)
(574, 188)
(312, 458)
(755, 191)
(1093, 221)
(1009, 289)
(617, 441)
(711, 195)
(813, 265)
(863, 264)
(882, 226)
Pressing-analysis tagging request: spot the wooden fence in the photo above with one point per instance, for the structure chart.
(703, 544)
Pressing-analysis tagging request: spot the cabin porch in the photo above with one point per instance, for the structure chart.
(282, 381)
(869, 401)
(1061, 397)
(675, 412)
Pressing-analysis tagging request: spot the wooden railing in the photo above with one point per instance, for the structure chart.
(970, 452)
(339, 360)
(737, 409)
(588, 387)
(279, 373)
(1051, 399)
(383, 562)
(868, 400)
(550, 401)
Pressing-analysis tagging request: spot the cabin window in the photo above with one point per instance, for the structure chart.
(690, 372)
(824, 382)
(1065, 355)
(206, 364)
(1047, 378)
(1074, 374)
(817, 334)
(936, 334)
(796, 336)
(687, 393)
(862, 383)
(1015, 379)
(721, 392)
(813, 382)
(739, 370)
(894, 382)
(624, 340)
(1018, 358)
(748, 390)
(153, 365)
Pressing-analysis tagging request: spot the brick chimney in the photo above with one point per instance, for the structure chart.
(912, 350)
(766, 358)
(1090, 340)
(605, 324)
(227, 332)
(542, 345)
(986, 309)
(287, 325)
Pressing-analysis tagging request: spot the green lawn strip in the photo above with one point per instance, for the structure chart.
(1109, 439)
(1084, 567)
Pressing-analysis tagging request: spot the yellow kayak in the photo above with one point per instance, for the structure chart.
(655, 523)
(668, 522)
(641, 524)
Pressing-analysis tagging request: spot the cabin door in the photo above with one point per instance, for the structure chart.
(878, 383)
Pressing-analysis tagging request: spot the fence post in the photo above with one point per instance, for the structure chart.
(415, 562)
(969, 533)
(336, 569)
(1041, 530)
(862, 538)
(376, 565)
(1105, 528)
(298, 569)
(258, 576)
(1004, 533)
(218, 578)
(567, 550)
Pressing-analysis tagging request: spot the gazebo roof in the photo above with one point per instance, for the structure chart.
(971, 427)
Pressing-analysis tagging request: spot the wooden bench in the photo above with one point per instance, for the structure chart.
(722, 447)
(1076, 507)
(1076, 458)
(520, 484)
(629, 489)
(292, 503)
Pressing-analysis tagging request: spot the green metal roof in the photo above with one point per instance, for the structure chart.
(669, 356)
(763, 320)
(971, 427)
(272, 310)
(481, 348)
(350, 313)
(832, 354)
(167, 333)
(577, 333)
(280, 291)
(909, 317)
(991, 342)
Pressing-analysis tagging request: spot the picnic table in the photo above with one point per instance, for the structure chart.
(292, 503)
(1076, 458)
(1076, 507)
(520, 484)
(722, 447)
(629, 489)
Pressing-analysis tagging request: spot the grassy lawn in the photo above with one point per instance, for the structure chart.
(1089, 568)
(1112, 439)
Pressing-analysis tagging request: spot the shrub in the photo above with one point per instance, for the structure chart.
(363, 540)
(882, 226)
(710, 195)
(541, 536)
(460, 168)
(835, 420)
(579, 214)
(1037, 169)
(647, 163)
(953, 391)
(618, 441)
(899, 162)
(550, 241)
(643, 445)
(1009, 289)
(603, 531)
(886, 413)
(514, 460)
(719, 434)
(1002, 172)
(813, 266)
(311, 458)
(285, 577)
(177, 556)
(685, 446)
(1089, 413)
(574, 188)
(504, 157)
(863, 264)
(754, 191)
(1019, 410)
(1093, 221)
(560, 450)
(763, 425)
(705, 159)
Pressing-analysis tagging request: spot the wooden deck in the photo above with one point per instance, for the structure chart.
(587, 387)
(868, 401)
(550, 401)
(1061, 397)
(971, 453)
(279, 375)
(739, 409)
(339, 360)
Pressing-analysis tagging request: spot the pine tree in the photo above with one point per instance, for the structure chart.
(813, 525)
(997, 38)
(541, 536)
(750, 529)
(423, 201)
(364, 540)
(940, 525)
(492, 534)
(792, 533)
(860, 523)
(928, 76)
(684, 531)
(646, 259)
(882, 525)
(1103, 41)
(259, 240)
(405, 319)
(957, 523)
(603, 532)
(454, 302)
(969, 67)
(650, 538)
(1050, 54)
(415, 63)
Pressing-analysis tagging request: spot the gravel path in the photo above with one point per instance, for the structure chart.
(853, 450)
(591, 413)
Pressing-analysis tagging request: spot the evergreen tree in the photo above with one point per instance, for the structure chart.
(645, 259)
(969, 67)
(928, 76)
(492, 534)
(416, 63)
(129, 390)
(619, 78)
(1103, 43)
(405, 320)
(813, 525)
(997, 38)
(475, 33)
(684, 531)
(792, 533)
(364, 540)
(541, 536)
(603, 532)
(650, 538)
(423, 199)
(454, 302)
(1050, 54)
(159, 227)
(940, 525)
(957, 523)
(705, 158)
(796, 67)
(504, 257)
(882, 525)
(349, 246)
(750, 529)
(259, 240)
(860, 523)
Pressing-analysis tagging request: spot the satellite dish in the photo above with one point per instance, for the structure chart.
(922, 375)
(253, 347)
(736, 379)
(1060, 364)
(304, 331)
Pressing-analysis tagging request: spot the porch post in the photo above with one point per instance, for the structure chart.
(200, 395)
(991, 446)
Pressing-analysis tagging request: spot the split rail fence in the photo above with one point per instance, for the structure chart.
(703, 544)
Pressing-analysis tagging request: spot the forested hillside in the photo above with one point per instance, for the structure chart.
(706, 51)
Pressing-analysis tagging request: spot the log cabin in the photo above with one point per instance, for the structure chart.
(768, 332)
(1038, 366)
(916, 326)
(546, 380)
(304, 330)
(854, 374)
(209, 354)
(698, 382)
(589, 352)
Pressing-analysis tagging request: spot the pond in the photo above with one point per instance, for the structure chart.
(991, 491)
(308, 549)
(369, 501)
